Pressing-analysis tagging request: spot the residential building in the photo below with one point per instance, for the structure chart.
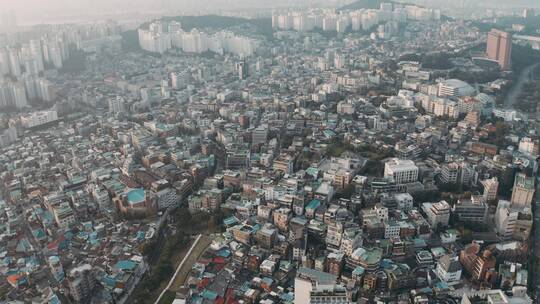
(480, 266)
(438, 214)
(449, 269)
(499, 48)
(491, 188)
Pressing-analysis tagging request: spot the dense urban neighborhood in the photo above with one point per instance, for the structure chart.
(354, 152)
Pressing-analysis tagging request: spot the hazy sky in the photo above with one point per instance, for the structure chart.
(46, 10)
(77, 5)
(72, 5)
(31, 11)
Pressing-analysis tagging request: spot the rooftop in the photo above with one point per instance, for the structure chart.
(135, 196)
(315, 275)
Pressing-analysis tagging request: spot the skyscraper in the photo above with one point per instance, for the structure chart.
(499, 47)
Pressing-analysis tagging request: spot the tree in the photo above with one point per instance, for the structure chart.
(501, 130)
(347, 192)
(148, 247)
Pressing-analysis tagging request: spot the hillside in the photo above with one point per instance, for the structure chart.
(219, 22)
(130, 41)
(363, 4)
(505, 23)
(263, 26)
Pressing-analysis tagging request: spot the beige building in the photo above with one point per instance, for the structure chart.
(523, 191)
(491, 187)
(499, 48)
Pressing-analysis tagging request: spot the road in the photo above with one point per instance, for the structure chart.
(515, 91)
(198, 251)
(171, 281)
(536, 245)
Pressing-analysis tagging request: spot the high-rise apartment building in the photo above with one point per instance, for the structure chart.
(499, 47)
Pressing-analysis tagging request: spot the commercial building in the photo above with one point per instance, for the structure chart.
(473, 210)
(402, 171)
(523, 191)
(512, 222)
(309, 280)
(328, 294)
(455, 88)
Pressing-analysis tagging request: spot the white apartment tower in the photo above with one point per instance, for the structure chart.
(403, 171)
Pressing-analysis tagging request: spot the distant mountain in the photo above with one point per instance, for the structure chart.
(363, 4)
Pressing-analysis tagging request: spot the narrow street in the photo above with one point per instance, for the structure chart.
(535, 251)
(38, 251)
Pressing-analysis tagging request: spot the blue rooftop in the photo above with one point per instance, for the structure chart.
(314, 204)
(125, 265)
(268, 281)
(135, 196)
(209, 295)
(109, 281)
(224, 253)
(287, 297)
(230, 221)
(359, 271)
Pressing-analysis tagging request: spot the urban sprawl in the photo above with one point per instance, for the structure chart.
(354, 155)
